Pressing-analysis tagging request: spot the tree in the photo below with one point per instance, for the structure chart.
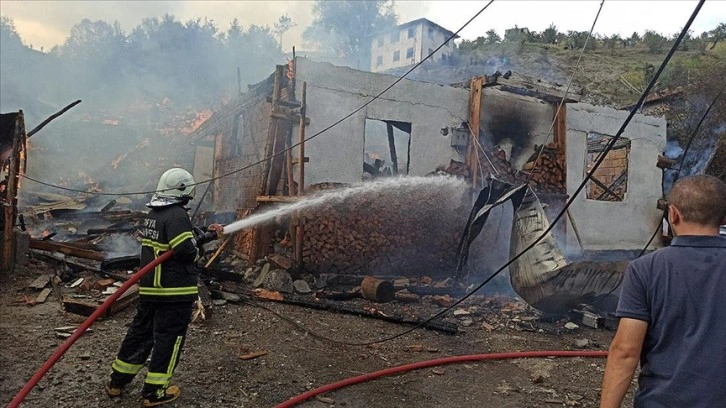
(283, 25)
(492, 37)
(653, 41)
(346, 27)
(8, 34)
(717, 34)
(634, 39)
(549, 35)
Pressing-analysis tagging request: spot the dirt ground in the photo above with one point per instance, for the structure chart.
(211, 374)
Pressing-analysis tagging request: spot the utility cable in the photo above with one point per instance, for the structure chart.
(567, 90)
(569, 202)
(683, 160)
(327, 128)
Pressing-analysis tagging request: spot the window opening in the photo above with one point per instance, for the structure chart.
(409, 53)
(411, 32)
(396, 56)
(387, 148)
(610, 181)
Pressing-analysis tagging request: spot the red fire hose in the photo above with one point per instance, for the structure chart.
(431, 363)
(82, 328)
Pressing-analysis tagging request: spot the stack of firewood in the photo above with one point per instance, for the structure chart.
(415, 232)
(547, 171)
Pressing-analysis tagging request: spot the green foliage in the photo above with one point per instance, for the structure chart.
(346, 27)
(8, 35)
(549, 35)
(283, 25)
(492, 37)
(654, 41)
(579, 39)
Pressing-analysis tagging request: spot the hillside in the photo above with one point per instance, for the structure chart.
(613, 77)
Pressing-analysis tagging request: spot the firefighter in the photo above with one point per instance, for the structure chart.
(166, 294)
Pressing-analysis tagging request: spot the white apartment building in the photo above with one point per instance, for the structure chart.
(408, 44)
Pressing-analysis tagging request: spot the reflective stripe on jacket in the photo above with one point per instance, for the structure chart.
(175, 280)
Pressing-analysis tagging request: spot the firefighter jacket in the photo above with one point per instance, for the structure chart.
(169, 228)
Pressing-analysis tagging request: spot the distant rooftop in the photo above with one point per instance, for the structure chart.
(417, 22)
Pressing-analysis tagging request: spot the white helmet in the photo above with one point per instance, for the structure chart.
(175, 186)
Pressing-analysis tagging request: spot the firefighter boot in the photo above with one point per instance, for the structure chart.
(162, 396)
(113, 391)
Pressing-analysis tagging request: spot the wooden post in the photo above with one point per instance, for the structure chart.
(301, 147)
(561, 136)
(392, 147)
(216, 170)
(11, 194)
(299, 232)
(475, 95)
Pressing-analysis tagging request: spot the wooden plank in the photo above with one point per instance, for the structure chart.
(40, 282)
(86, 307)
(11, 201)
(475, 96)
(67, 249)
(42, 296)
(271, 131)
(276, 199)
(289, 118)
(392, 147)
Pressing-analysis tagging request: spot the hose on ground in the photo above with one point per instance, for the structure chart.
(432, 363)
(82, 328)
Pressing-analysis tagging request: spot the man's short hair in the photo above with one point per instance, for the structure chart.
(701, 199)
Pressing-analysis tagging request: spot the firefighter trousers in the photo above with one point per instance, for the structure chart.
(159, 329)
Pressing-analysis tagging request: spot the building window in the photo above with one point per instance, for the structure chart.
(610, 181)
(395, 36)
(396, 56)
(380, 41)
(431, 33)
(431, 52)
(409, 53)
(411, 32)
(379, 60)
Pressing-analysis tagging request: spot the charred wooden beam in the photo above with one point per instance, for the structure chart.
(67, 249)
(606, 188)
(323, 304)
(52, 117)
(63, 260)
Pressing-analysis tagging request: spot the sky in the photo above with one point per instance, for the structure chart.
(48, 23)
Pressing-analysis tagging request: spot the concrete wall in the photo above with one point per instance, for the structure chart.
(515, 122)
(625, 225)
(334, 92)
(421, 43)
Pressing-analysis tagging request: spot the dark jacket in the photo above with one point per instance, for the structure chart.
(175, 280)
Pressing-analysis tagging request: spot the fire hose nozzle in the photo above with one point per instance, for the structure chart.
(208, 237)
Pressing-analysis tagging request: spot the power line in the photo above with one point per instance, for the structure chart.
(569, 202)
(567, 90)
(683, 160)
(339, 121)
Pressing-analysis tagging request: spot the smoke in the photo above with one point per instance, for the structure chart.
(143, 90)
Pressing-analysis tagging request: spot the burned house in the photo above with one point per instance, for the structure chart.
(414, 129)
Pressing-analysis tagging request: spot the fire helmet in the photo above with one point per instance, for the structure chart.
(175, 186)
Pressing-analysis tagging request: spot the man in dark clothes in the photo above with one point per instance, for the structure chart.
(672, 309)
(166, 295)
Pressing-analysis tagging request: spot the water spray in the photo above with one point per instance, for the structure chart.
(389, 185)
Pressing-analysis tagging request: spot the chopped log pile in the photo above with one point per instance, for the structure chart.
(413, 233)
(548, 172)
